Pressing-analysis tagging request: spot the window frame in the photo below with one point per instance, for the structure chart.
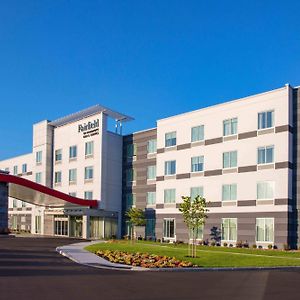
(264, 229)
(171, 168)
(56, 155)
(56, 177)
(231, 127)
(147, 198)
(169, 230)
(172, 139)
(73, 157)
(203, 136)
(230, 159)
(169, 191)
(230, 192)
(228, 233)
(266, 181)
(154, 141)
(265, 155)
(266, 120)
(87, 171)
(200, 157)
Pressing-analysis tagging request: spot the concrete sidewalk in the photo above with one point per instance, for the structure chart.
(76, 253)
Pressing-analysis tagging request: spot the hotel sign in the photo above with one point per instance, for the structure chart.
(89, 129)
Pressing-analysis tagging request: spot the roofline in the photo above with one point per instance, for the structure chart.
(225, 103)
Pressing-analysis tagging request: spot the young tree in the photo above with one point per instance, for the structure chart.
(135, 217)
(194, 215)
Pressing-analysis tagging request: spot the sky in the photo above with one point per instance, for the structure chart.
(147, 59)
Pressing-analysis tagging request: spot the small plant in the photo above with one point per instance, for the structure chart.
(260, 247)
(213, 243)
(254, 246)
(230, 245)
(270, 246)
(275, 247)
(239, 244)
(246, 245)
(218, 244)
(225, 244)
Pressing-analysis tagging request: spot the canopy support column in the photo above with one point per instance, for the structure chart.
(3, 208)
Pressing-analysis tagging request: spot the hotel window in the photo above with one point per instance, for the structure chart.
(229, 192)
(265, 190)
(24, 168)
(131, 150)
(130, 175)
(38, 157)
(72, 175)
(170, 139)
(88, 195)
(197, 133)
(73, 152)
(230, 159)
(151, 172)
(89, 148)
(15, 203)
(150, 228)
(151, 198)
(169, 228)
(197, 164)
(15, 170)
(23, 204)
(266, 119)
(57, 177)
(152, 146)
(170, 167)
(229, 229)
(58, 155)
(130, 200)
(265, 155)
(230, 126)
(196, 191)
(265, 230)
(88, 173)
(38, 177)
(169, 196)
(73, 194)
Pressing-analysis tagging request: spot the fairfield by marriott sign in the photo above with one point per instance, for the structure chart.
(89, 128)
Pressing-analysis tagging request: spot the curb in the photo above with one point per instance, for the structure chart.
(101, 263)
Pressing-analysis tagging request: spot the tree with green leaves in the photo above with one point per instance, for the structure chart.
(135, 217)
(194, 214)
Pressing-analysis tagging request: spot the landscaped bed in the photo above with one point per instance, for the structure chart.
(144, 260)
(207, 256)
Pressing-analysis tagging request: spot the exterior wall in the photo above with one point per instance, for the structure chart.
(139, 163)
(247, 173)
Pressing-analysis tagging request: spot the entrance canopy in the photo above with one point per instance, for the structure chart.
(37, 194)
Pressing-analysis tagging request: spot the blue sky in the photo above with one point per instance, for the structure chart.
(148, 59)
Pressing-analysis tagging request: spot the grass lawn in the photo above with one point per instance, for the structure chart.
(208, 256)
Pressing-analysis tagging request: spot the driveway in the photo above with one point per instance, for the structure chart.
(31, 269)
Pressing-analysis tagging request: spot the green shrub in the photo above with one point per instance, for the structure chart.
(254, 246)
(225, 244)
(270, 246)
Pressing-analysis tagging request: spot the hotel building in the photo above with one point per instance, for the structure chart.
(242, 156)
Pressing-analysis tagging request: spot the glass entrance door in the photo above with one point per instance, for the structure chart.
(76, 226)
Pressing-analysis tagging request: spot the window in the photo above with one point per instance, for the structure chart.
(265, 190)
(38, 177)
(57, 177)
(58, 155)
(152, 146)
(15, 170)
(89, 148)
(38, 157)
(130, 175)
(230, 126)
(88, 195)
(72, 175)
(198, 233)
(196, 191)
(229, 229)
(73, 152)
(131, 150)
(73, 194)
(229, 192)
(151, 172)
(230, 159)
(150, 228)
(266, 119)
(24, 168)
(151, 198)
(88, 173)
(170, 167)
(170, 139)
(197, 133)
(130, 200)
(23, 204)
(169, 196)
(15, 203)
(169, 228)
(265, 155)
(197, 164)
(265, 230)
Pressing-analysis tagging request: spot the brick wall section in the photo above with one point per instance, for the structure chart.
(140, 165)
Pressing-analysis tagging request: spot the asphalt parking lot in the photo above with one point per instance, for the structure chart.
(31, 269)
